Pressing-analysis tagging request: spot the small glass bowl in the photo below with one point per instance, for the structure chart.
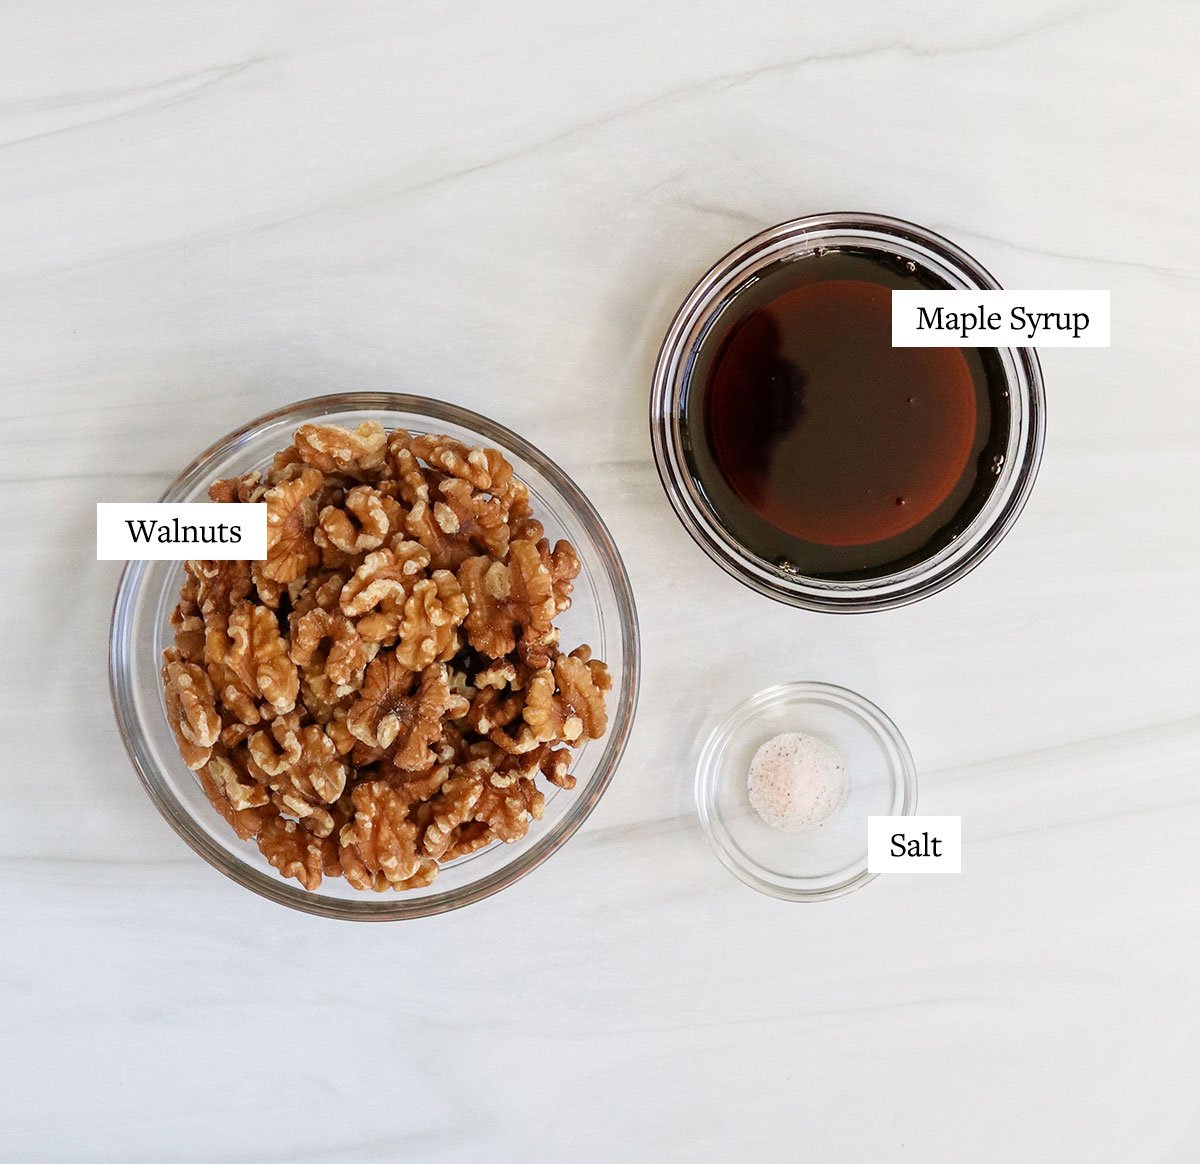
(787, 242)
(601, 614)
(829, 859)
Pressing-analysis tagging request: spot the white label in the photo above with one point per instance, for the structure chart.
(1000, 319)
(158, 532)
(914, 844)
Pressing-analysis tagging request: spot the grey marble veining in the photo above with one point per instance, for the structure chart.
(209, 209)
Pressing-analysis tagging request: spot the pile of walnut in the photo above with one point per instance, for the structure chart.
(378, 696)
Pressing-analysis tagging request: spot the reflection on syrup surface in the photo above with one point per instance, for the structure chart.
(819, 444)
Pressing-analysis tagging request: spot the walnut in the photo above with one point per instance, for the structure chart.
(302, 767)
(220, 586)
(385, 576)
(492, 710)
(555, 765)
(467, 838)
(426, 874)
(435, 527)
(491, 629)
(188, 623)
(417, 788)
(359, 524)
(384, 692)
(320, 696)
(319, 591)
(405, 478)
(453, 747)
(506, 769)
(581, 687)
(238, 786)
(247, 488)
(245, 822)
(390, 714)
(331, 845)
(291, 516)
(235, 734)
(508, 812)
(452, 807)
(232, 649)
(336, 729)
(276, 750)
(528, 529)
(258, 656)
(601, 676)
(455, 522)
(483, 470)
(519, 510)
(373, 718)
(293, 851)
(532, 583)
(480, 521)
(379, 846)
(236, 699)
(267, 590)
(564, 567)
(320, 773)
(333, 449)
(512, 606)
(334, 559)
(432, 614)
(286, 465)
(191, 710)
(315, 819)
(498, 675)
(383, 624)
(345, 658)
(543, 718)
(565, 704)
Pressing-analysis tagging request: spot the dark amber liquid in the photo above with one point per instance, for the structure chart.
(820, 446)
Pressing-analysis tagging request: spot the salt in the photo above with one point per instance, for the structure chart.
(796, 781)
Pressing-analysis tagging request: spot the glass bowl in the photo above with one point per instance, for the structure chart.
(602, 614)
(793, 240)
(829, 859)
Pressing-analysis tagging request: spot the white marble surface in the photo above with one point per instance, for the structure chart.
(208, 209)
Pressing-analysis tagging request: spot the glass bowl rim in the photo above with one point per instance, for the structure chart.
(709, 296)
(904, 777)
(377, 907)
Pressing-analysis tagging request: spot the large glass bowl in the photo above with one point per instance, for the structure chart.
(601, 614)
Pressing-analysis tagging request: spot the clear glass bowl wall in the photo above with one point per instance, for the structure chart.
(602, 614)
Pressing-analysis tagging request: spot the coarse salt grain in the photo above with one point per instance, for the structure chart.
(796, 781)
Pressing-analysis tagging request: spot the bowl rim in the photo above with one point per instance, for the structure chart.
(904, 777)
(786, 241)
(379, 907)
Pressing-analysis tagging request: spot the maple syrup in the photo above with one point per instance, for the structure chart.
(819, 446)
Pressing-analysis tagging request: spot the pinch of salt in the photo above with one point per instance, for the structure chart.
(796, 781)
